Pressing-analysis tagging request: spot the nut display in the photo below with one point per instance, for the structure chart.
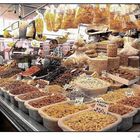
(41, 83)
(9, 73)
(31, 95)
(114, 96)
(23, 89)
(14, 85)
(123, 74)
(90, 82)
(120, 109)
(131, 101)
(38, 103)
(63, 109)
(89, 121)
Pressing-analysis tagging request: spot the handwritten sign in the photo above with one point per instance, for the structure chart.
(79, 100)
(101, 106)
(129, 93)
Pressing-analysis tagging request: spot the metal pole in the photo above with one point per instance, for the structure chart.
(34, 11)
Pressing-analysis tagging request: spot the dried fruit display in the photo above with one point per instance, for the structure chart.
(90, 82)
(41, 83)
(131, 101)
(123, 74)
(44, 101)
(9, 73)
(63, 109)
(30, 71)
(31, 95)
(120, 109)
(114, 96)
(23, 89)
(14, 85)
(90, 121)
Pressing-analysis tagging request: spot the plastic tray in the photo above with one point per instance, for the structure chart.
(136, 118)
(110, 128)
(50, 122)
(127, 120)
(33, 112)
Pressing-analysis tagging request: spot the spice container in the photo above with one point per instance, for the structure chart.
(28, 96)
(89, 120)
(112, 50)
(52, 113)
(134, 61)
(134, 102)
(34, 105)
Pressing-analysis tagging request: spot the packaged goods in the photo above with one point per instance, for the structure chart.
(123, 60)
(112, 50)
(39, 24)
(101, 15)
(113, 63)
(89, 121)
(49, 18)
(134, 61)
(44, 101)
(59, 17)
(84, 14)
(68, 18)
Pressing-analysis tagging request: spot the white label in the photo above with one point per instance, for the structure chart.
(79, 100)
(37, 85)
(129, 93)
(104, 73)
(101, 106)
(18, 77)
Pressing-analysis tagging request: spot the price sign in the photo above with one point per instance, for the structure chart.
(129, 93)
(101, 106)
(37, 85)
(18, 77)
(79, 100)
(104, 73)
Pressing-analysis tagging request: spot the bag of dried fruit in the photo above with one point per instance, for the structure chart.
(101, 14)
(69, 17)
(58, 17)
(84, 14)
(49, 18)
(39, 24)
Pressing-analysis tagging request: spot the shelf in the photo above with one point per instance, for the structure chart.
(19, 119)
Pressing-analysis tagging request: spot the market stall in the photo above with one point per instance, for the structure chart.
(73, 67)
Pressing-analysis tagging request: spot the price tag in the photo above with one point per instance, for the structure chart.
(104, 73)
(18, 77)
(129, 93)
(101, 106)
(79, 100)
(37, 85)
